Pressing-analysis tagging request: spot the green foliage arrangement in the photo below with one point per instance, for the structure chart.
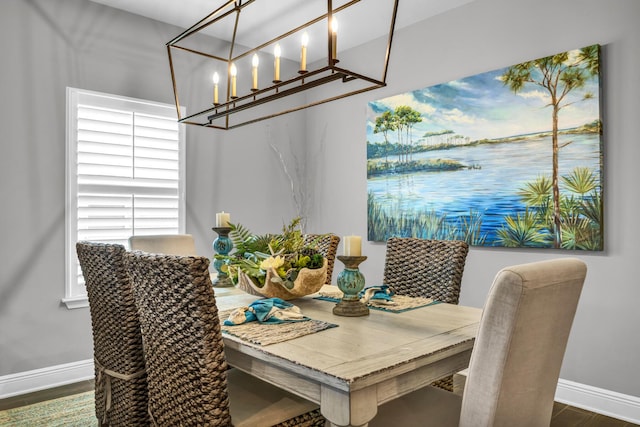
(286, 253)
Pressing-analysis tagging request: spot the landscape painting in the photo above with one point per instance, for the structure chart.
(510, 158)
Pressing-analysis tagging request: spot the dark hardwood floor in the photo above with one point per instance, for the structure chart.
(563, 415)
(568, 416)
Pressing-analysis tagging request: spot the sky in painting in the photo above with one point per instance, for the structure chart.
(481, 106)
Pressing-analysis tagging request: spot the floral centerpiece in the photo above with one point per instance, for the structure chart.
(275, 265)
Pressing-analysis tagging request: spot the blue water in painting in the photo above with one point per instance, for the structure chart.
(491, 189)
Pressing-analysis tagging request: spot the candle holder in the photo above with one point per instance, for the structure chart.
(222, 245)
(351, 282)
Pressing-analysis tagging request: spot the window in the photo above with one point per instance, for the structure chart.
(125, 175)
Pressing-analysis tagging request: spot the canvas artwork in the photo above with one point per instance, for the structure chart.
(509, 158)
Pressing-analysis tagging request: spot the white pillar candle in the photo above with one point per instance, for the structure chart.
(352, 246)
(222, 219)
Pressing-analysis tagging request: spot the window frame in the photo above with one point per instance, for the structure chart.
(75, 295)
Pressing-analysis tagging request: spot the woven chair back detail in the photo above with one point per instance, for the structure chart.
(426, 268)
(186, 365)
(310, 419)
(327, 246)
(117, 342)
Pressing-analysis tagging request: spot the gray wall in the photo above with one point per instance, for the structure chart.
(47, 46)
(482, 36)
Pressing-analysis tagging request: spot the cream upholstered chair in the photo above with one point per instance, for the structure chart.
(188, 377)
(516, 358)
(171, 244)
(120, 378)
(426, 268)
(327, 245)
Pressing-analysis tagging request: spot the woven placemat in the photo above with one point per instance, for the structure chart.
(265, 334)
(399, 303)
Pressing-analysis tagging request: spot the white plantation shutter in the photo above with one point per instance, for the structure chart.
(124, 174)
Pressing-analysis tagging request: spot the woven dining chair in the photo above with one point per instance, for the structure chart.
(426, 268)
(327, 245)
(190, 383)
(516, 358)
(120, 378)
(171, 244)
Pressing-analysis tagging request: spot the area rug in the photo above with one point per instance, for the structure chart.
(77, 410)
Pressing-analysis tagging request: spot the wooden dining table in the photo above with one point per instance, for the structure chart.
(351, 369)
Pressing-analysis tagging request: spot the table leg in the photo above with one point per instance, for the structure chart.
(343, 408)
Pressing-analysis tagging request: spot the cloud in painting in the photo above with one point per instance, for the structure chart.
(457, 116)
(535, 94)
(409, 99)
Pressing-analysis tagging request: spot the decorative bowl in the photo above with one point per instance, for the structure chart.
(309, 281)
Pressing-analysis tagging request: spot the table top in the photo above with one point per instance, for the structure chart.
(362, 350)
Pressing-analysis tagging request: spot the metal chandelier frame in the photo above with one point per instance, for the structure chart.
(228, 114)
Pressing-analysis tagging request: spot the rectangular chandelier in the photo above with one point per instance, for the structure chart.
(252, 60)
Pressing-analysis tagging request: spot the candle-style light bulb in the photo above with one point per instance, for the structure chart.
(234, 72)
(276, 53)
(303, 52)
(254, 72)
(334, 38)
(216, 80)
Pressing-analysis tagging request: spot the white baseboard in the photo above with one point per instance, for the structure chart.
(601, 401)
(598, 400)
(44, 378)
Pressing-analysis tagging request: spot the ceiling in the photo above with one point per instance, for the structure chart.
(280, 13)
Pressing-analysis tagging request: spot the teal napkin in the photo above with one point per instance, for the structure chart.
(268, 310)
(383, 292)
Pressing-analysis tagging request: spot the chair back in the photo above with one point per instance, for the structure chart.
(327, 245)
(518, 352)
(425, 268)
(120, 379)
(171, 244)
(184, 353)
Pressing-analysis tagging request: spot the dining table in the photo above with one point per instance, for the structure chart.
(359, 363)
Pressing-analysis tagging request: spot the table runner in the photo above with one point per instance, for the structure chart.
(399, 303)
(266, 334)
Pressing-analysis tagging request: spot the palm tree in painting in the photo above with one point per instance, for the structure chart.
(385, 123)
(558, 75)
(581, 213)
(521, 231)
(405, 118)
(400, 123)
